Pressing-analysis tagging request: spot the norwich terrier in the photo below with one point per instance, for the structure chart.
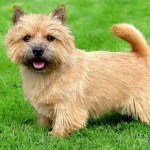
(66, 85)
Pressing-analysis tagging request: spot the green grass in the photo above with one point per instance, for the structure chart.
(90, 22)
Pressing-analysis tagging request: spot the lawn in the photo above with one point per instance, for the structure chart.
(90, 22)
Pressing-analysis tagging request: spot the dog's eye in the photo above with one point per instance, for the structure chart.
(27, 38)
(50, 38)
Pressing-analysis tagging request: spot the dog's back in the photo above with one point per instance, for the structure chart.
(120, 81)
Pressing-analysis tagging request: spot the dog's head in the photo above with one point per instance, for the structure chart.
(39, 42)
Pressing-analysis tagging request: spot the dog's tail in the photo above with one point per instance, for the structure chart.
(130, 34)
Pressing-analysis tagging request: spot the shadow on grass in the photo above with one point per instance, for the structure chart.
(28, 121)
(117, 122)
(110, 119)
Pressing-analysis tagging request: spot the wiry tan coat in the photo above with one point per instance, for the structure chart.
(84, 84)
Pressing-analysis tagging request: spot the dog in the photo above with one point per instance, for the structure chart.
(66, 85)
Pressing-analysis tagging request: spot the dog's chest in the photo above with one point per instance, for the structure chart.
(33, 85)
(32, 90)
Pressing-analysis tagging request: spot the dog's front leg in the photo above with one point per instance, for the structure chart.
(43, 120)
(68, 118)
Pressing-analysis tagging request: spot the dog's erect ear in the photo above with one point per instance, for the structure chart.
(59, 13)
(18, 12)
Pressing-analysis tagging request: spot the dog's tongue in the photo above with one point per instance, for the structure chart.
(38, 65)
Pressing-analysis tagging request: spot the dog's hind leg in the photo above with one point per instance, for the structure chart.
(138, 108)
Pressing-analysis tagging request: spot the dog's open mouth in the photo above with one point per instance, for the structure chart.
(38, 65)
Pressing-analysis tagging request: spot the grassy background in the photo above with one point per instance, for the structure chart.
(90, 23)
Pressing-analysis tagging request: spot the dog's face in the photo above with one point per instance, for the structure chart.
(40, 42)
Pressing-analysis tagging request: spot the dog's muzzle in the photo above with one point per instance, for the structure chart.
(38, 63)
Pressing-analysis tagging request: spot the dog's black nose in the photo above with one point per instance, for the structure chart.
(38, 51)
